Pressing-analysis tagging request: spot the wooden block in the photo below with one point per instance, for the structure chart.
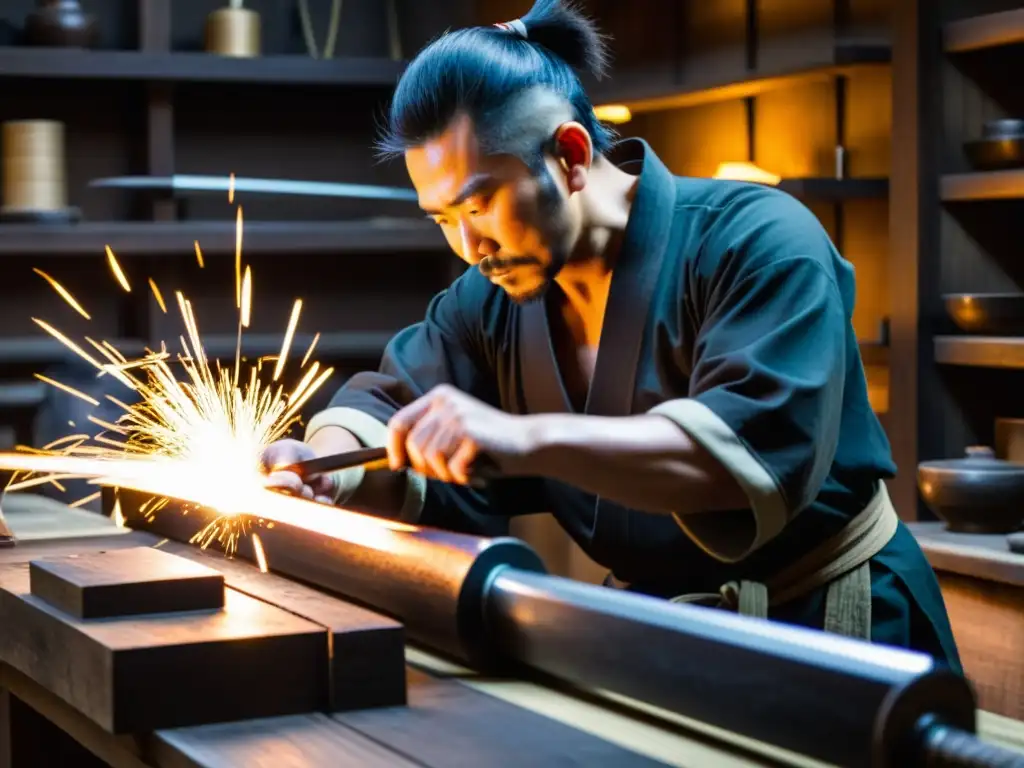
(367, 649)
(145, 673)
(126, 582)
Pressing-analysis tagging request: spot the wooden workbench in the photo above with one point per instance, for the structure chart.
(453, 718)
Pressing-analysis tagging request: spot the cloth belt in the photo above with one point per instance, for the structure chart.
(842, 562)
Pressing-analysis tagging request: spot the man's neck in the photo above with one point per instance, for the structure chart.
(586, 280)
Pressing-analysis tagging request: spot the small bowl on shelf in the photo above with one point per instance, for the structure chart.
(993, 314)
(976, 494)
(1001, 146)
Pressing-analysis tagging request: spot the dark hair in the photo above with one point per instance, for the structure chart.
(488, 72)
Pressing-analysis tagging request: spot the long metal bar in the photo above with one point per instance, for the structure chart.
(489, 603)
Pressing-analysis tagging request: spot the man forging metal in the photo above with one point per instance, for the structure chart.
(667, 365)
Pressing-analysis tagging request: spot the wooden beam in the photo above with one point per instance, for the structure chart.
(125, 582)
(128, 675)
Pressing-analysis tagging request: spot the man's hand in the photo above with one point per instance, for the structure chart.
(284, 453)
(441, 434)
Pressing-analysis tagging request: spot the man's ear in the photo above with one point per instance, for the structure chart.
(574, 151)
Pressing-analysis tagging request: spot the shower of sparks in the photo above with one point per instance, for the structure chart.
(195, 433)
(118, 272)
(63, 293)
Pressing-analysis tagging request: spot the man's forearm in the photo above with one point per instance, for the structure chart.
(380, 493)
(642, 462)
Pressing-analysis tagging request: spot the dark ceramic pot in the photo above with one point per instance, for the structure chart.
(975, 494)
(61, 24)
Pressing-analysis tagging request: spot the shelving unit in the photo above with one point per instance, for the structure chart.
(953, 231)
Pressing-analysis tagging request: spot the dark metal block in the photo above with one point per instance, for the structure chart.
(127, 582)
(146, 673)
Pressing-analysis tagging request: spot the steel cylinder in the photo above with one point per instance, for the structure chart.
(843, 701)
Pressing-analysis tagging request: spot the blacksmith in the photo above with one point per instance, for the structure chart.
(666, 364)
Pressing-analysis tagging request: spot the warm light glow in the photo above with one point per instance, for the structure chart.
(617, 114)
(199, 254)
(196, 435)
(746, 172)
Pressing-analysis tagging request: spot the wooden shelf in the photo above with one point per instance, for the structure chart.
(836, 190)
(188, 67)
(980, 351)
(986, 185)
(708, 85)
(176, 238)
(992, 30)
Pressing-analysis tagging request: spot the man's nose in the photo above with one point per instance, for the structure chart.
(474, 247)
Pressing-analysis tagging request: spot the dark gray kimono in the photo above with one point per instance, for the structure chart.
(730, 312)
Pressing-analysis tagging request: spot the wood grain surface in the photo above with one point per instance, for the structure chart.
(248, 660)
(125, 582)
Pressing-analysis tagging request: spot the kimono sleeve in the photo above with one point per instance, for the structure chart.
(767, 385)
(441, 349)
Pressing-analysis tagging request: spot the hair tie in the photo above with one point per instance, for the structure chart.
(515, 26)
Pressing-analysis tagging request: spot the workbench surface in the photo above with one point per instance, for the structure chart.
(454, 717)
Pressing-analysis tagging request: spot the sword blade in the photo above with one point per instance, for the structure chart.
(189, 183)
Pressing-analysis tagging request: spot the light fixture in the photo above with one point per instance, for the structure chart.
(745, 171)
(617, 114)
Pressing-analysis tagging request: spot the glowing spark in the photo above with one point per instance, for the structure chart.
(83, 501)
(288, 334)
(246, 297)
(116, 514)
(261, 556)
(312, 346)
(231, 189)
(64, 293)
(160, 543)
(238, 259)
(157, 296)
(199, 255)
(116, 269)
(69, 390)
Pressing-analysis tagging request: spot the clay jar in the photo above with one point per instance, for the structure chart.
(60, 23)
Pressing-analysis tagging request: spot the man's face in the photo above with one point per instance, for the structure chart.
(495, 213)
